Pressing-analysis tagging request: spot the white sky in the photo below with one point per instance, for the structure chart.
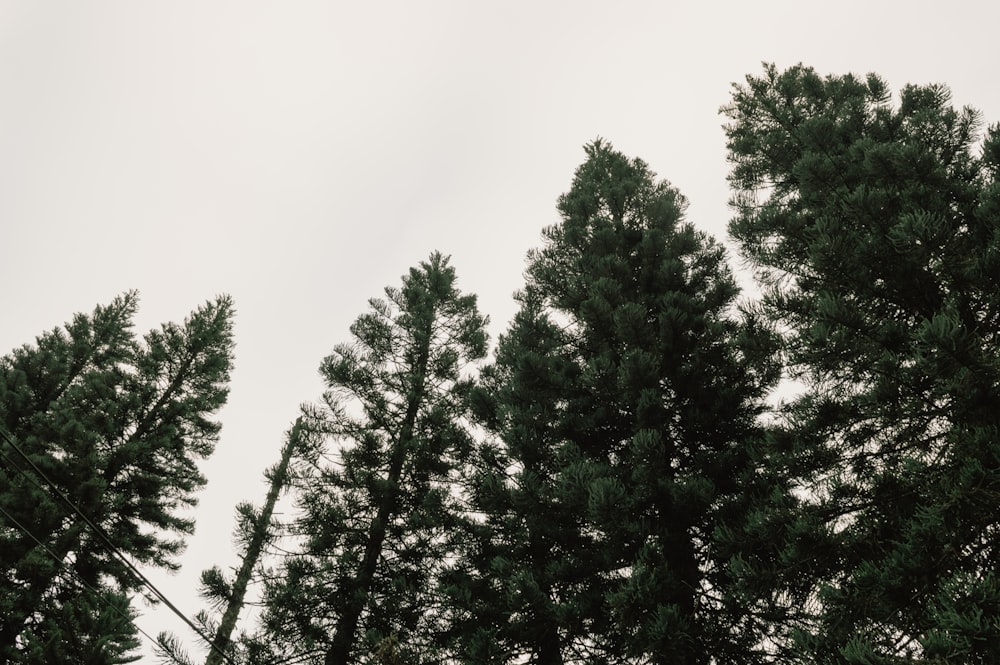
(302, 155)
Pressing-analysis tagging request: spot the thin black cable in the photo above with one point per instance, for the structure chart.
(115, 551)
(80, 579)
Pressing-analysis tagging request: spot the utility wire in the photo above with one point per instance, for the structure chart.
(114, 549)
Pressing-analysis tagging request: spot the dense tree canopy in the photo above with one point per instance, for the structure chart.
(100, 430)
(875, 230)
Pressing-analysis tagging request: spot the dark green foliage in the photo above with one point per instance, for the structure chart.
(376, 490)
(624, 397)
(118, 426)
(503, 588)
(86, 626)
(875, 230)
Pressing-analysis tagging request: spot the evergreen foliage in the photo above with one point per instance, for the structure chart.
(874, 227)
(85, 626)
(117, 425)
(377, 507)
(624, 399)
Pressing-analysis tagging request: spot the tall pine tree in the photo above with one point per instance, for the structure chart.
(625, 397)
(116, 426)
(255, 531)
(875, 228)
(376, 495)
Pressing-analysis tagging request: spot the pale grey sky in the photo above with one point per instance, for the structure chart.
(301, 155)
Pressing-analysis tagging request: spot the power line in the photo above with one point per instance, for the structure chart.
(114, 549)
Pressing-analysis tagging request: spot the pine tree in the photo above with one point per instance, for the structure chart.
(254, 532)
(100, 426)
(875, 230)
(625, 397)
(377, 506)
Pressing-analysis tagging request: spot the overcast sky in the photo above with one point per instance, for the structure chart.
(300, 156)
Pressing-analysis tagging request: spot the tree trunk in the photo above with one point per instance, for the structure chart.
(223, 636)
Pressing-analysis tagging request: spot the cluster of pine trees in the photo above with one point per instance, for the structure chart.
(618, 482)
